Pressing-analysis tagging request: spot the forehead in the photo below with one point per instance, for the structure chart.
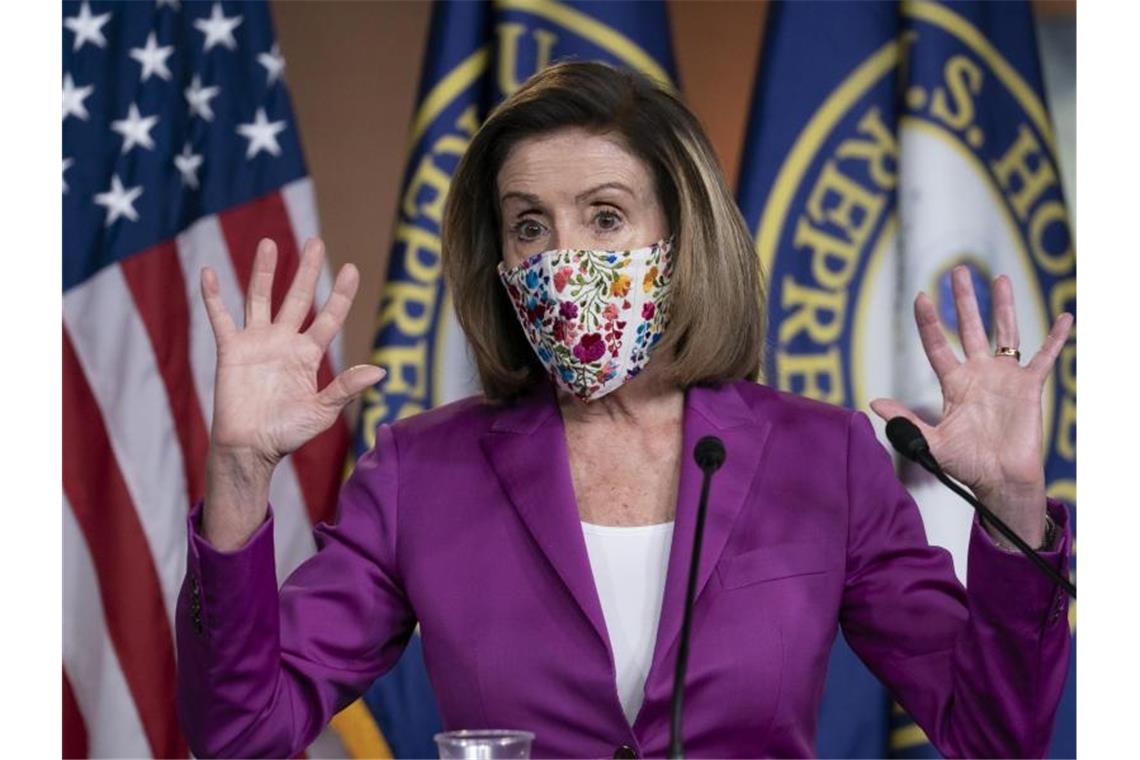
(570, 159)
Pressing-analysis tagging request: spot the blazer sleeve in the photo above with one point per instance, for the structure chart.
(981, 671)
(260, 670)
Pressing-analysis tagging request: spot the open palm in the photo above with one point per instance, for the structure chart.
(990, 434)
(266, 399)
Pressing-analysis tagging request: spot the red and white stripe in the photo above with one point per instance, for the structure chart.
(138, 372)
(101, 692)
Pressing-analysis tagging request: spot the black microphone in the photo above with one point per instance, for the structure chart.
(709, 455)
(909, 441)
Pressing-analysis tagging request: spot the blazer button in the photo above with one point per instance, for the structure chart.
(625, 751)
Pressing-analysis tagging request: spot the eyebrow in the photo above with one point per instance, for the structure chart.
(535, 200)
(604, 186)
(527, 197)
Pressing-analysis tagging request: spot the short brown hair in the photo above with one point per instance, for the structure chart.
(716, 324)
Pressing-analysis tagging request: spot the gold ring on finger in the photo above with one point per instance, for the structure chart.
(1008, 351)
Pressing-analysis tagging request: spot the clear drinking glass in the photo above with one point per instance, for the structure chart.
(487, 744)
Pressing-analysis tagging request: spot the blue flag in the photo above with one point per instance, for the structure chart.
(477, 54)
(889, 142)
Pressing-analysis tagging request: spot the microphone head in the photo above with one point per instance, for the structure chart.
(907, 439)
(709, 453)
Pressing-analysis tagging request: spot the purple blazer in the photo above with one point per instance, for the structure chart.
(463, 519)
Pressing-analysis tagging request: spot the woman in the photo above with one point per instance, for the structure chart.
(609, 290)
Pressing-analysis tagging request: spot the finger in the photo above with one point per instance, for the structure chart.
(888, 409)
(1042, 362)
(299, 299)
(970, 328)
(220, 320)
(258, 302)
(1005, 316)
(349, 384)
(934, 343)
(331, 317)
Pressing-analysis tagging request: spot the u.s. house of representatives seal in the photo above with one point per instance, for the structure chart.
(934, 151)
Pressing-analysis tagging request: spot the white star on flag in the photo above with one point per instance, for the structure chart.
(73, 98)
(262, 134)
(188, 163)
(67, 162)
(199, 97)
(218, 29)
(273, 62)
(87, 28)
(135, 129)
(153, 58)
(172, 3)
(119, 201)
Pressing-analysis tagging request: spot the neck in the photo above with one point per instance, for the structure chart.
(649, 397)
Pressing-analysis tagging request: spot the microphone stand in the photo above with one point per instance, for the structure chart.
(709, 454)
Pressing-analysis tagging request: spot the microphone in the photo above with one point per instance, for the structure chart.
(909, 441)
(709, 455)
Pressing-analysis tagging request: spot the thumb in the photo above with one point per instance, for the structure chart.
(888, 408)
(349, 384)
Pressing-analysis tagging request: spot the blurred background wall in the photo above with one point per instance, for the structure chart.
(353, 68)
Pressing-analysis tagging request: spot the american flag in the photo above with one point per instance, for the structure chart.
(179, 151)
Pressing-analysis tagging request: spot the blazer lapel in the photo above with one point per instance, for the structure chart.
(718, 411)
(526, 447)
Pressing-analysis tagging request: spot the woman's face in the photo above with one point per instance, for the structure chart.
(576, 189)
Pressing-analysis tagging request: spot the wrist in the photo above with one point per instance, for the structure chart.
(1021, 507)
(246, 461)
(1047, 531)
(237, 496)
(1046, 543)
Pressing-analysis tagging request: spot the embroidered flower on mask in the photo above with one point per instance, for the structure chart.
(647, 281)
(590, 348)
(561, 277)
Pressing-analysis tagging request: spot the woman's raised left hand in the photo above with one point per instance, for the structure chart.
(990, 434)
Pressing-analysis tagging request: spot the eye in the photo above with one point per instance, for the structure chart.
(527, 230)
(608, 220)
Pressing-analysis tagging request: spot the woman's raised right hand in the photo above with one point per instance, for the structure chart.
(266, 400)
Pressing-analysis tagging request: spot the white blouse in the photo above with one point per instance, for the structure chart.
(629, 565)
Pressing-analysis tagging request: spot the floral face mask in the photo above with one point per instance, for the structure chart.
(593, 317)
